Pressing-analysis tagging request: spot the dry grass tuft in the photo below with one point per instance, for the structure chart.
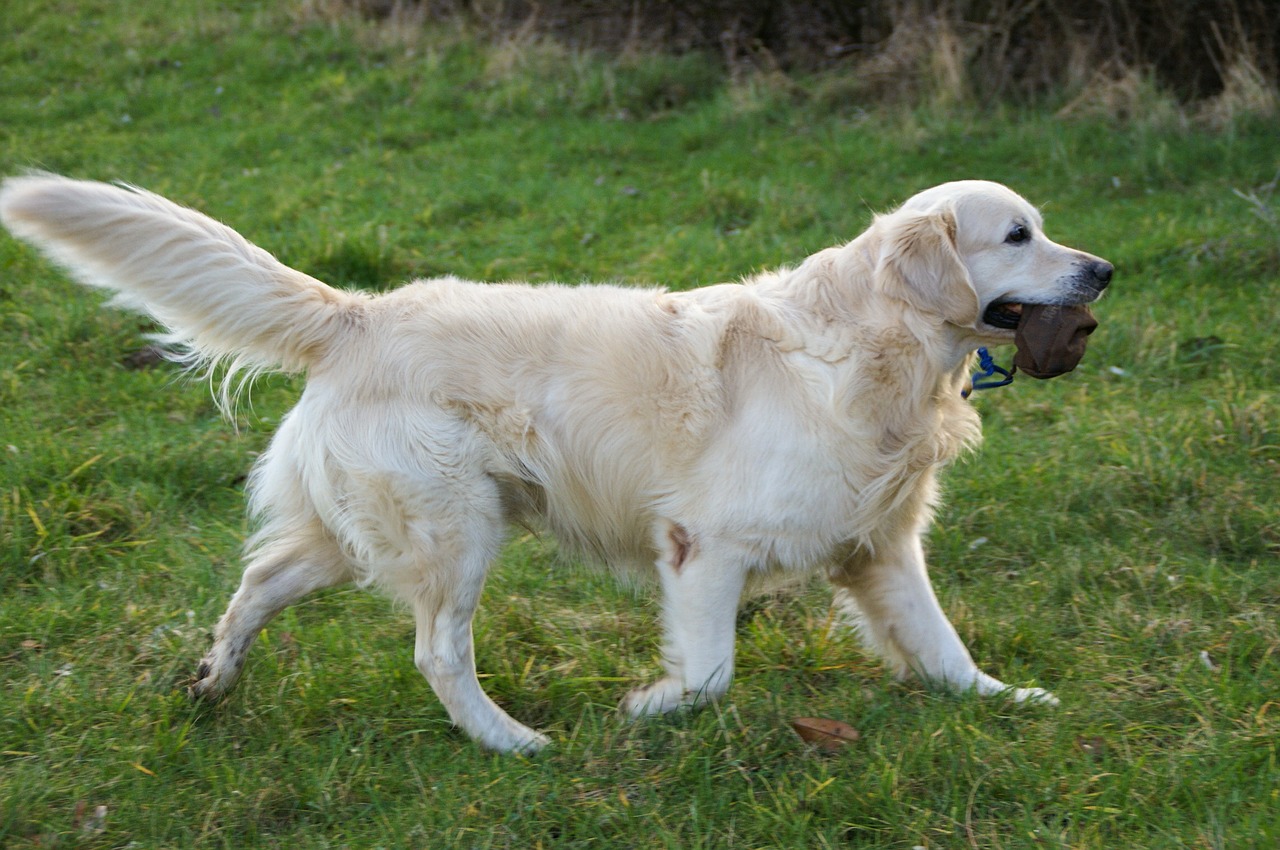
(923, 58)
(1124, 93)
(1246, 92)
(383, 23)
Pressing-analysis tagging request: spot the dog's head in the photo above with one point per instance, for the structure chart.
(975, 253)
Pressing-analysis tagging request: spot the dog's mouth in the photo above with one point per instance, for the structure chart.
(1008, 315)
(1003, 314)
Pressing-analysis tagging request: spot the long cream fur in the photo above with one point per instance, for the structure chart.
(789, 423)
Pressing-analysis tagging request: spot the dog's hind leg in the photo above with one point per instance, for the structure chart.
(702, 583)
(278, 574)
(893, 605)
(445, 654)
(429, 540)
(444, 600)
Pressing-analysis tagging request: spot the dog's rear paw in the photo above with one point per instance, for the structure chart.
(205, 686)
(1038, 696)
(990, 686)
(531, 744)
(512, 737)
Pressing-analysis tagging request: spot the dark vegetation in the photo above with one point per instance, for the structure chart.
(1196, 50)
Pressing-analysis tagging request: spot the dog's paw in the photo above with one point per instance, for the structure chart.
(206, 685)
(511, 736)
(531, 743)
(1038, 696)
(989, 686)
(662, 696)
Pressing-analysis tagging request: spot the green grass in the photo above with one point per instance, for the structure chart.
(1117, 539)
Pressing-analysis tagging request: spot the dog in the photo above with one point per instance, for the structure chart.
(792, 422)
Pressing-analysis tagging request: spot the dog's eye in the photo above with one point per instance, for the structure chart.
(1018, 234)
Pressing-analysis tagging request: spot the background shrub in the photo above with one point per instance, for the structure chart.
(1195, 49)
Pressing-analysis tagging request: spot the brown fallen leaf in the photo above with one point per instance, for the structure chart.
(824, 733)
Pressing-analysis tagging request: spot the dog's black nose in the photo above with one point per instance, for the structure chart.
(1101, 271)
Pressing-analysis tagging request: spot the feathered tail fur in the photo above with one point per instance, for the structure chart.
(222, 299)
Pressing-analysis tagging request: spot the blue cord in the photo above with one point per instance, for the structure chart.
(982, 380)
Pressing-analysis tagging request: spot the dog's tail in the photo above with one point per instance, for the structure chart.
(221, 298)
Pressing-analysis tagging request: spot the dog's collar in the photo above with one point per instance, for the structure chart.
(987, 379)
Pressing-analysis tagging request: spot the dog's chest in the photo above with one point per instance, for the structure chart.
(797, 486)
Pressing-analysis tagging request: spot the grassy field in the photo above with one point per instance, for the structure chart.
(1116, 540)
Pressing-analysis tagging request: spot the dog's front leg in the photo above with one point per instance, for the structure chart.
(895, 610)
(702, 583)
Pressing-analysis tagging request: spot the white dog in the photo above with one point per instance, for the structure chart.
(792, 422)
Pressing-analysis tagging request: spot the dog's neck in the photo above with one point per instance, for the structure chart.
(835, 290)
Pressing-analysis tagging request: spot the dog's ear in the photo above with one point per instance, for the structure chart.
(919, 264)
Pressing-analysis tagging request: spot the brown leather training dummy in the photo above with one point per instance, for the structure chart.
(1051, 339)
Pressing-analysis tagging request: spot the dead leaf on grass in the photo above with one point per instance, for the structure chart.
(825, 733)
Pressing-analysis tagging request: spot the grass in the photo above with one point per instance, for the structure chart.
(1117, 539)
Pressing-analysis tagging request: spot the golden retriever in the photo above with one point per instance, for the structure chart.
(792, 422)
